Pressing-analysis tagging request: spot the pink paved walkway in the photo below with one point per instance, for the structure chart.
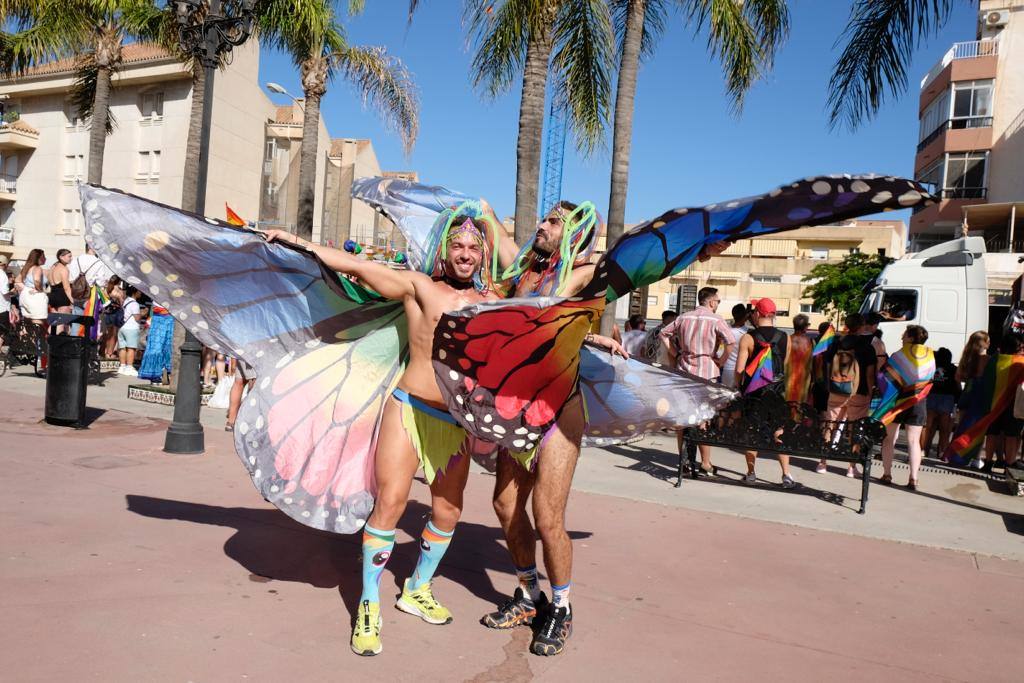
(124, 564)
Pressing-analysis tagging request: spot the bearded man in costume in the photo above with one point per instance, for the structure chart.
(555, 263)
(416, 428)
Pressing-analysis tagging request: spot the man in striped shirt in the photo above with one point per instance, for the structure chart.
(704, 342)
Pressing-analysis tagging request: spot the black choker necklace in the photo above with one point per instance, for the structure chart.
(456, 284)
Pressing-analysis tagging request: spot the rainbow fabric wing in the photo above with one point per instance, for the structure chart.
(905, 382)
(991, 395)
(325, 352)
(518, 360)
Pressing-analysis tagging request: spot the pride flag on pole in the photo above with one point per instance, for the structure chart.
(825, 341)
(233, 218)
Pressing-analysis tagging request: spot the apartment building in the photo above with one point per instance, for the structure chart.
(254, 152)
(773, 266)
(44, 144)
(971, 134)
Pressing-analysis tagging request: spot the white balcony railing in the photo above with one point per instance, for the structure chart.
(8, 184)
(967, 50)
(6, 235)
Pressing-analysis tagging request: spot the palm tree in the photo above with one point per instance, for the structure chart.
(91, 31)
(308, 32)
(881, 36)
(570, 41)
(743, 36)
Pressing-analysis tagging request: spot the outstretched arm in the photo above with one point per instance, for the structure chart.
(507, 247)
(389, 283)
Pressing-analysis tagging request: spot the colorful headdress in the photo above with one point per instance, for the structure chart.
(578, 242)
(445, 230)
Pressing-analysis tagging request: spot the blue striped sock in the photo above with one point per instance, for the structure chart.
(377, 547)
(560, 595)
(433, 544)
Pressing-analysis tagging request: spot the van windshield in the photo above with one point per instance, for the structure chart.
(892, 304)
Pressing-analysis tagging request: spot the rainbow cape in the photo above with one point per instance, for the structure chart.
(798, 373)
(991, 395)
(825, 341)
(906, 381)
(759, 370)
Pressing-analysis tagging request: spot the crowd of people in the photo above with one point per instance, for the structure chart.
(130, 328)
(841, 377)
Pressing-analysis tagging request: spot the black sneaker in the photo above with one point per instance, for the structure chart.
(516, 612)
(554, 631)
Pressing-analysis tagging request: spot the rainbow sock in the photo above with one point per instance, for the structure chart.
(377, 547)
(433, 544)
(560, 595)
(529, 581)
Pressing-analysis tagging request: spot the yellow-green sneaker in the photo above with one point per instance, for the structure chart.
(366, 633)
(422, 603)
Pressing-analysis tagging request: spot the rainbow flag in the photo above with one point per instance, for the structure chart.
(825, 341)
(233, 218)
(759, 370)
(94, 304)
(905, 382)
(798, 372)
(992, 394)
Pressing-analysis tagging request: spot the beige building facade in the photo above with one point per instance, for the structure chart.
(254, 152)
(774, 266)
(971, 133)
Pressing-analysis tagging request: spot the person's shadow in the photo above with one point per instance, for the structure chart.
(272, 546)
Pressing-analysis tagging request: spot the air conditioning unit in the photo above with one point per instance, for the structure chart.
(995, 18)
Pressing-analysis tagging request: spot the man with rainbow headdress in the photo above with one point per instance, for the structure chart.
(416, 428)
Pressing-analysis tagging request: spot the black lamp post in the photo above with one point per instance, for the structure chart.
(206, 31)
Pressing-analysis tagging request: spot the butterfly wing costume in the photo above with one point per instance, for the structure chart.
(507, 368)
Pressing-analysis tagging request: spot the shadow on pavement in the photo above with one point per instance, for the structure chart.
(270, 545)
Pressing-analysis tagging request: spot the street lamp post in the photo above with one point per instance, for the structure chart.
(206, 30)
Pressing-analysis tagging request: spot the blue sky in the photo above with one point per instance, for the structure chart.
(688, 149)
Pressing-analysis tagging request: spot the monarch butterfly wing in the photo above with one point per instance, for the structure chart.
(628, 398)
(326, 352)
(412, 206)
(659, 248)
(506, 368)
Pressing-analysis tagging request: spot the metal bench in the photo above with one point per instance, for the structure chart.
(767, 424)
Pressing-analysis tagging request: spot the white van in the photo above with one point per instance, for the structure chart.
(942, 288)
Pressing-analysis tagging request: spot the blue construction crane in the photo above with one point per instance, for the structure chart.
(554, 154)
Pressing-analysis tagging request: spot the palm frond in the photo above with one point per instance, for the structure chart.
(356, 7)
(744, 36)
(500, 36)
(295, 27)
(384, 84)
(881, 36)
(582, 65)
(656, 15)
(83, 92)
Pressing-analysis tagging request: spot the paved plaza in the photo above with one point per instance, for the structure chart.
(122, 563)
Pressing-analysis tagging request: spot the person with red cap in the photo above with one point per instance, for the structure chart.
(760, 366)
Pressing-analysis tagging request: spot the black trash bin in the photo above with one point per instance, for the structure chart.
(67, 375)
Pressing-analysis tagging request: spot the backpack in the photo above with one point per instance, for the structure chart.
(844, 383)
(80, 286)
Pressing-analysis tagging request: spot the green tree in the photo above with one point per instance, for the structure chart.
(743, 36)
(91, 31)
(570, 41)
(838, 288)
(880, 40)
(308, 31)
